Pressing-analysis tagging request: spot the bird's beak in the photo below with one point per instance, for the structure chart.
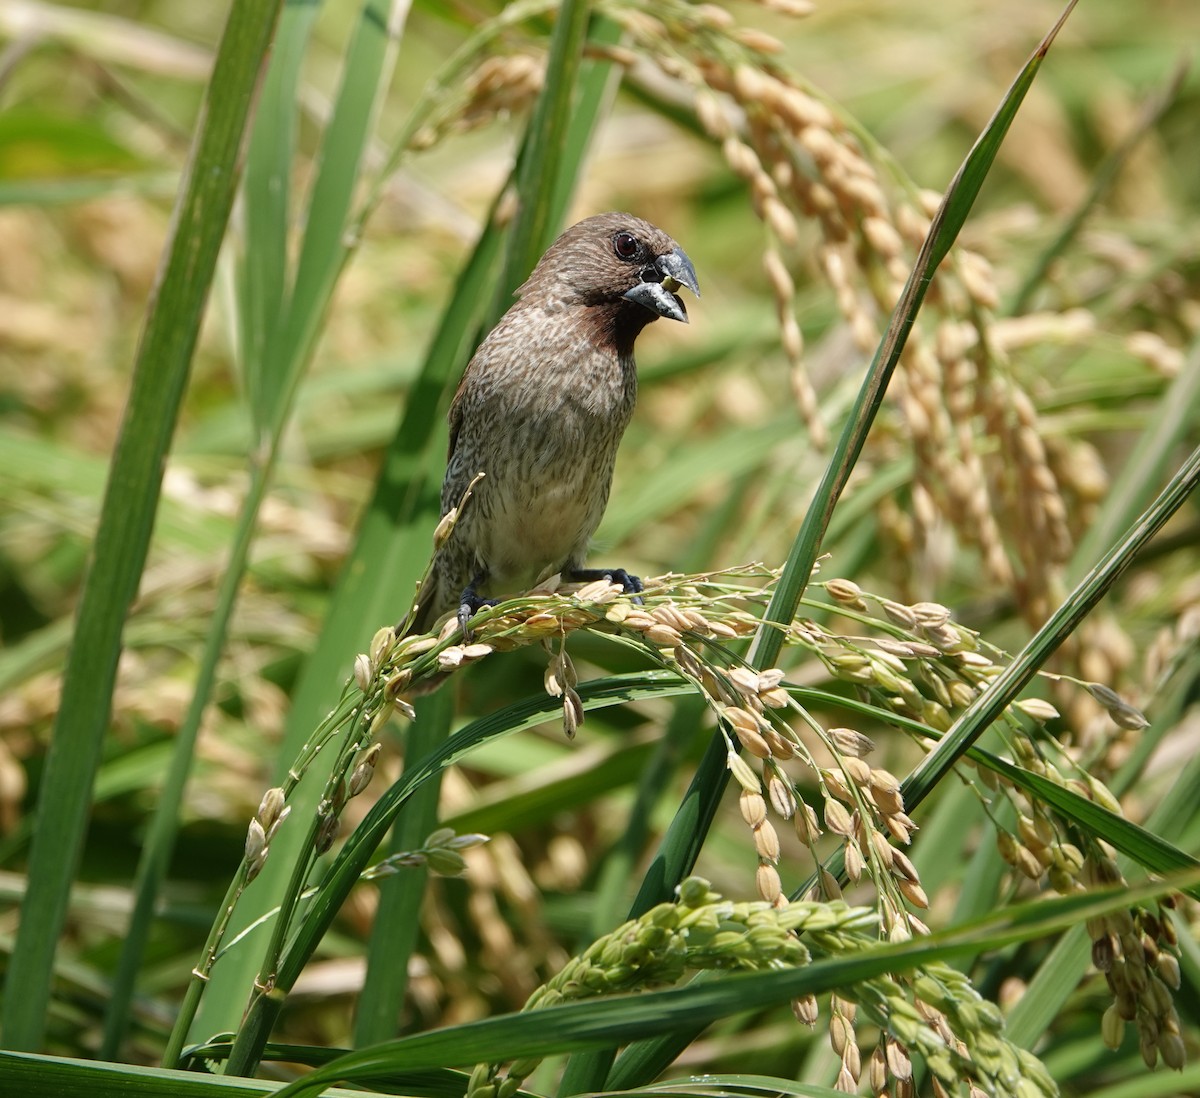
(656, 291)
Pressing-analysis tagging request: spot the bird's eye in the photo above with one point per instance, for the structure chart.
(626, 245)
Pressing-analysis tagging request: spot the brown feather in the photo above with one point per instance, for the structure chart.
(540, 410)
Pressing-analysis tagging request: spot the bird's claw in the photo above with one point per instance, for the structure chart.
(631, 584)
(469, 604)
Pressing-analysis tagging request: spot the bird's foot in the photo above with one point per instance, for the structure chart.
(631, 584)
(470, 603)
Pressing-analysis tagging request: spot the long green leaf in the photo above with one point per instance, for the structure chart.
(283, 325)
(537, 179)
(1178, 411)
(160, 375)
(34, 1076)
(394, 931)
(1008, 684)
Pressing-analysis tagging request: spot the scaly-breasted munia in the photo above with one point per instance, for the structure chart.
(541, 409)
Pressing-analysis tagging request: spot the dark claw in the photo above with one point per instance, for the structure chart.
(470, 603)
(632, 584)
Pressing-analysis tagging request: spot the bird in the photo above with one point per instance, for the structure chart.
(540, 411)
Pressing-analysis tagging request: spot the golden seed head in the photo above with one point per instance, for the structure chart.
(663, 635)
(745, 679)
(450, 658)
(1167, 967)
(836, 784)
(902, 865)
(808, 830)
(362, 671)
(841, 1033)
(858, 770)
(754, 742)
(599, 592)
(854, 862)
(884, 781)
(913, 893)
(753, 807)
(270, 806)
(1039, 709)
(742, 773)
(672, 616)
(381, 645)
(766, 843)
(846, 592)
(572, 710)
(877, 1069)
(782, 747)
(837, 818)
(884, 851)
(899, 1063)
(687, 661)
(1173, 1051)
(900, 826)
(759, 41)
(273, 830)
(899, 613)
(770, 678)
(711, 114)
(931, 615)
(360, 778)
(783, 799)
(850, 742)
(326, 833)
(775, 698)
(806, 1010)
(256, 841)
(766, 879)
(740, 718)
(418, 646)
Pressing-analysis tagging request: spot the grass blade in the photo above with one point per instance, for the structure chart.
(395, 929)
(533, 229)
(160, 375)
(1009, 683)
(263, 265)
(1103, 179)
(620, 1018)
(289, 324)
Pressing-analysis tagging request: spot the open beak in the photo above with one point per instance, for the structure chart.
(656, 291)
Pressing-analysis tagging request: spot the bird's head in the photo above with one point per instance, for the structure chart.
(620, 265)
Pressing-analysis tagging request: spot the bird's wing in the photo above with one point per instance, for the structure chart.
(455, 414)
